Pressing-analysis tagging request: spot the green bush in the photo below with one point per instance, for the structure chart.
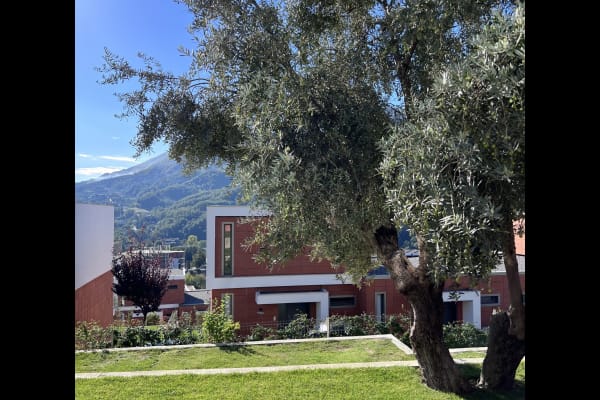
(260, 332)
(185, 320)
(152, 318)
(90, 335)
(217, 325)
(355, 325)
(137, 336)
(196, 280)
(457, 334)
(299, 328)
(130, 337)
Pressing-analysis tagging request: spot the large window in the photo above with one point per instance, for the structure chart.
(342, 301)
(490, 299)
(227, 249)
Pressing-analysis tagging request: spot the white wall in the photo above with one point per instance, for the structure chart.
(94, 238)
(471, 306)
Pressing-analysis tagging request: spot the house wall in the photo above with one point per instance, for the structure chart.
(94, 237)
(395, 303)
(175, 296)
(172, 296)
(94, 300)
(496, 284)
(244, 265)
(302, 275)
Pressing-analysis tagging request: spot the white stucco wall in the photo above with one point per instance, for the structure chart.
(471, 306)
(94, 238)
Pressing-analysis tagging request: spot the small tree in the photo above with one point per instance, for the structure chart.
(217, 325)
(140, 279)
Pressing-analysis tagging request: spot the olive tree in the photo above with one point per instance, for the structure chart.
(300, 99)
(465, 182)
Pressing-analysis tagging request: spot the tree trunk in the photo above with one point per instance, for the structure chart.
(516, 311)
(504, 354)
(506, 338)
(425, 297)
(426, 336)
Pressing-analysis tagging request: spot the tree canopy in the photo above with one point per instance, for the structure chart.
(299, 98)
(140, 279)
(340, 119)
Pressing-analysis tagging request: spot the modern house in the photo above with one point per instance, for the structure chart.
(94, 235)
(258, 295)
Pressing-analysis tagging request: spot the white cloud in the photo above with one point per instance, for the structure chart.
(82, 155)
(96, 171)
(118, 158)
(115, 137)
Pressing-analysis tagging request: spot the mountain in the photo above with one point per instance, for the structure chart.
(158, 196)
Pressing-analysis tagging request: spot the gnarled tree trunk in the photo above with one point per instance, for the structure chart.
(506, 338)
(425, 297)
(505, 352)
(426, 336)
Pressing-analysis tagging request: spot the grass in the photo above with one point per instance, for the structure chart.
(329, 352)
(347, 351)
(365, 383)
(469, 354)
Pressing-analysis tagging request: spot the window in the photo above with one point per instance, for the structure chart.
(380, 307)
(490, 299)
(172, 287)
(342, 301)
(227, 301)
(228, 249)
(523, 297)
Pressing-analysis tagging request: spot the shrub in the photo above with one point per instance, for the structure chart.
(260, 332)
(457, 334)
(196, 280)
(173, 319)
(355, 325)
(217, 325)
(90, 335)
(298, 328)
(152, 318)
(185, 320)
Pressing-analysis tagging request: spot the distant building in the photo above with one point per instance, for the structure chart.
(178, 297)
(94, 235)
(258, 295)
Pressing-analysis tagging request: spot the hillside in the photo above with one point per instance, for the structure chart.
(157, 195)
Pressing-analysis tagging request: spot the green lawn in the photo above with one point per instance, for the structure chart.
(360, 384)
(469, 354)
(322, 352)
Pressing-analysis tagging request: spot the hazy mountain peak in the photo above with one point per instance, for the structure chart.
(158, 195)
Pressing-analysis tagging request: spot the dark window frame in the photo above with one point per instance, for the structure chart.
(227, 264)
(341, 298)
(491, 304)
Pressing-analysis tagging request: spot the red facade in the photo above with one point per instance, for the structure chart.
(93, 301)
(247, 281)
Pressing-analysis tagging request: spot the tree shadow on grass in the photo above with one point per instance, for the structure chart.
(240, 349)
(472, 373)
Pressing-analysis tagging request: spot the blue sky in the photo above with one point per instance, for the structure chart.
(154, 27)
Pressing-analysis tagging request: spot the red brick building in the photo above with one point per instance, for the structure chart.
(260, 296)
